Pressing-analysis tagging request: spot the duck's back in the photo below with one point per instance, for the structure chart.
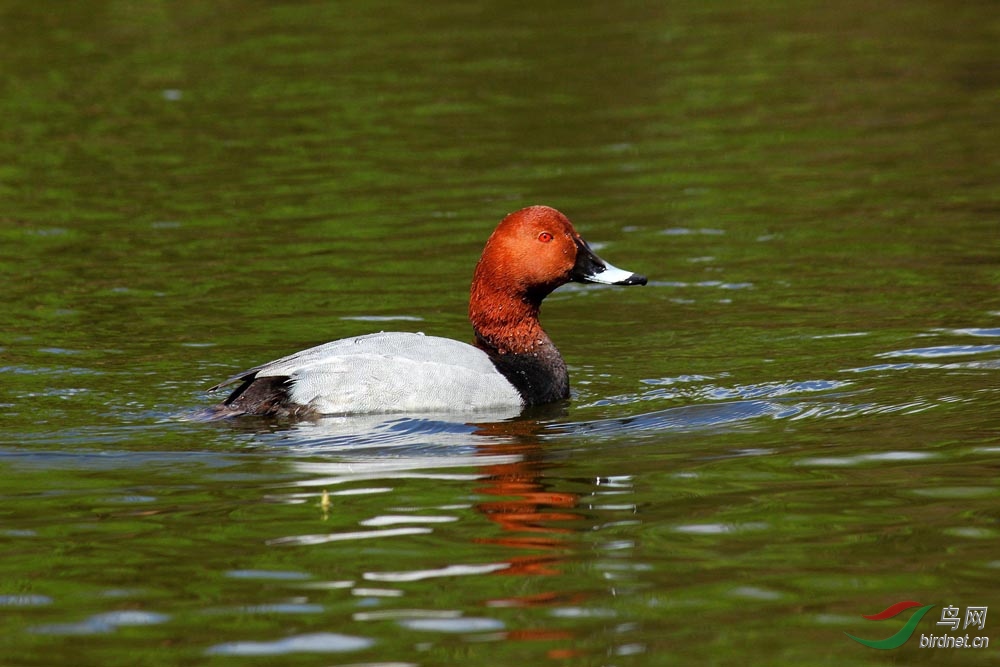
(377, 373)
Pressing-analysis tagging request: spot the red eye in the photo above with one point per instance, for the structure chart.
(545, 237)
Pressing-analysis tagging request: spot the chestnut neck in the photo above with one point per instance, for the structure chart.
(507, 329)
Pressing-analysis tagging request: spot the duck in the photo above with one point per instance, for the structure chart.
(510, 364)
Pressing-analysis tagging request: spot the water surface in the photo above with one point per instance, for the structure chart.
(793, 425)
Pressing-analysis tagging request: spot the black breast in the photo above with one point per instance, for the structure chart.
(540, 376)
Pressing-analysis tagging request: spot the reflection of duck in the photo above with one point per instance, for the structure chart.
(528, 512)
(529, 515)
(513, 363)
(533, 528)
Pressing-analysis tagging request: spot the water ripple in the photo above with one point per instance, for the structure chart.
(282, 608)
(985, 364)
(667, 388)
(976, 332)
(383, 318)
(940, 351)
(432, 433)
(24, 600)
(320, 642)
(452, 625)
(861, 459)
(397, 468)
(392, 519)
(720, 528)
(307, 540)
(103, 623)
(448, 571)
(676, 419)
(271, 575)
(732, 413)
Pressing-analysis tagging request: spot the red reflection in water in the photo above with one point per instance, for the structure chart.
(533, 518)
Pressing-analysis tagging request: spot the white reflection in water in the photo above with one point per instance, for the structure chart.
(357, 433)
(941, 351)
(320, 642)
(976, 332)
(282, 608)
(103, 623)
(306, 540)
(393, 614)
(756, 593)
(390, 520)
(876, 457)
(345, 478)
(457, 625)
(277, 575)
(377, 593)
(396, 468)
(583, 612)
(363, 466)
(720, 528)
(24, 600)
(449, 571)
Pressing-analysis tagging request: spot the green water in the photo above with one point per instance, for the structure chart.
(793, 425)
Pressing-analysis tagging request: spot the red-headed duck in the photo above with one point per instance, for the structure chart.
(513, 363)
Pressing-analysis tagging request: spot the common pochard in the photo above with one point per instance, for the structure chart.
(512, 364)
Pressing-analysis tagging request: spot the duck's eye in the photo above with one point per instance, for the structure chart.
(545, 237)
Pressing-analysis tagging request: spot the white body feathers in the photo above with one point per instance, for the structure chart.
(392, 372)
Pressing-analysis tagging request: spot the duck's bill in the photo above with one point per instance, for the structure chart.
(590, 268)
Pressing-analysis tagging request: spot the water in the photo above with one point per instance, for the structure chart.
(793, 425)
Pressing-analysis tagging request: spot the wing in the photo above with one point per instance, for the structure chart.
(385, 372)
